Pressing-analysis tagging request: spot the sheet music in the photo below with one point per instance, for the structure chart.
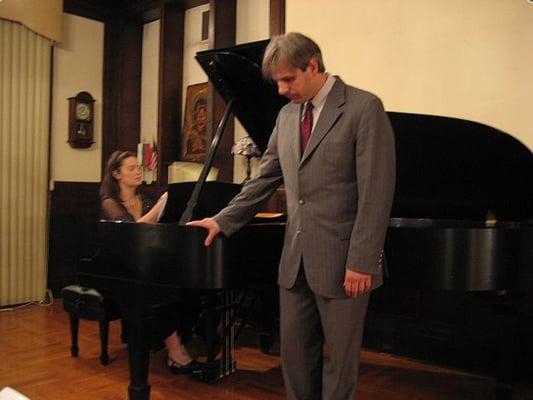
(8, 393)
(163, 201)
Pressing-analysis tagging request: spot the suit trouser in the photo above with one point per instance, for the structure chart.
(309, 320)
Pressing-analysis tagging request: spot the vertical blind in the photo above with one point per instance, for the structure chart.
(25, 62)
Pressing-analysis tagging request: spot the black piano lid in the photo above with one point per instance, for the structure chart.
(448, 168)
(236, 74)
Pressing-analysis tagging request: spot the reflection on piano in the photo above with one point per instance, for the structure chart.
(461, 219)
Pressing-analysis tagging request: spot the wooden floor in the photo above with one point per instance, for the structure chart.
(36, 361)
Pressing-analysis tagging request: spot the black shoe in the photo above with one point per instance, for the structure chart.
(189, 368)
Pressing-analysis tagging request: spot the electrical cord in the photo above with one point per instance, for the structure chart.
(47, 301)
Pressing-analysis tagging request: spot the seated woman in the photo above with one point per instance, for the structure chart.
(121, 201)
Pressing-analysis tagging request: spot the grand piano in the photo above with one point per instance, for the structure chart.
(461, 220)
(462, 215)
(140, 266)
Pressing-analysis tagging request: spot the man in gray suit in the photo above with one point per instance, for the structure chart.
(333, 149)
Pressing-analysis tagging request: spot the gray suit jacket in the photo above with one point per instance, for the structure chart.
(339, 192)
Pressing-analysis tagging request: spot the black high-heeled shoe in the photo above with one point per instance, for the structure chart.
(189, 368)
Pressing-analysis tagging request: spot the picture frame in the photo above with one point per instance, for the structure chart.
(194, 143)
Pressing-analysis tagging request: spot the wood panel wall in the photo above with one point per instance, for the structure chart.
(170, 84)
(73, 226)
(122, 84)
(277, 17)
(487, 333)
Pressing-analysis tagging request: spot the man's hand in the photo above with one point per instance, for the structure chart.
(356, 283)
(212, 228)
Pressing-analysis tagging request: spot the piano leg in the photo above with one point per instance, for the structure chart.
(211, 325)
(138, 323)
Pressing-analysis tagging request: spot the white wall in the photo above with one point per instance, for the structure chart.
(193, 43)
(466, 59)
(78, 66)
(150, 82)
(252, 25)
(252, 20)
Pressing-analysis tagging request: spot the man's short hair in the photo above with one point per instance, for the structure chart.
(292, 48)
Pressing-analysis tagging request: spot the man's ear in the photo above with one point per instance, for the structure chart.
(313, 65)
(115, 174)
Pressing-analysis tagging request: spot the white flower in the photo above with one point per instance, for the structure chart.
(246, 147)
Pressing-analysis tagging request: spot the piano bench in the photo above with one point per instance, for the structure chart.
(85, 303)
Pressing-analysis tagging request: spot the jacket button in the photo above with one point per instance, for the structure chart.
(301, 202)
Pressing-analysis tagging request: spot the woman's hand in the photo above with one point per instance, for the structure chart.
(163, 197)
(152, 216)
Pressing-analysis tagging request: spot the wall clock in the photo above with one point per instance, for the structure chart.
(81, 120)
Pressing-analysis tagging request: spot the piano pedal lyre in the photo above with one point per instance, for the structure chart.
(220, 336)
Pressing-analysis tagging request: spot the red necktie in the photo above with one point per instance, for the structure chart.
(307, 124)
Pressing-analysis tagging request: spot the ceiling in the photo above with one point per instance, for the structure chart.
(104, 9)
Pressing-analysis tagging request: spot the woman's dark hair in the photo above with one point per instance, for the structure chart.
(109, 187)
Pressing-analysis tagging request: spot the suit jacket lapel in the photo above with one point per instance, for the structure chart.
(333, 109)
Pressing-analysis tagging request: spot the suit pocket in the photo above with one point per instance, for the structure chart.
(344, 231)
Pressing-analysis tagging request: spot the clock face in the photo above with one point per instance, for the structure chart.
(83, 111)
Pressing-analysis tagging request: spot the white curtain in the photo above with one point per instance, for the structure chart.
(25, 62)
